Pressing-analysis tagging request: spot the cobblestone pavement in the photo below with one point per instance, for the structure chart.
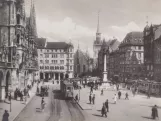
(16, 106)
(137, 108)
(57, 109)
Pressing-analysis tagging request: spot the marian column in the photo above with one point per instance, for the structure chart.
(105, 68)
(105, 82)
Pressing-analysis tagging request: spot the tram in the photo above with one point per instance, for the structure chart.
(153, 87)
(67, 89)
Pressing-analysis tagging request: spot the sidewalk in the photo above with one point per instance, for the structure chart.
(16, 106)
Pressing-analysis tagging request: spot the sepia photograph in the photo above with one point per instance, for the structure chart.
(80, 60)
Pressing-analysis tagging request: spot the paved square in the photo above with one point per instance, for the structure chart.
(137, 108)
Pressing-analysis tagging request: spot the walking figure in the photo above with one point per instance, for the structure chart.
(126, 96)
(42, 104)
(76, 97)
(102, 92)
(90, 98)
(106, 104)
(115, 99)
(154, 112)
(104, 110)
(93, 99)
(5, 116)
(119, 94)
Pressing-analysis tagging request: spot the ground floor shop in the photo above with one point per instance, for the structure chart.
(55, 75)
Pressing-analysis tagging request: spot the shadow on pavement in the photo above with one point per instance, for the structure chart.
(97, 115)
(146, 117)
(99, 110)
(151, 106)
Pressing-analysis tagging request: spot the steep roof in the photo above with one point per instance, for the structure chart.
(40, 42)
(133, 38)
(57, 45)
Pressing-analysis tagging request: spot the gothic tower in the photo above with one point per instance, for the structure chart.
(97, 44)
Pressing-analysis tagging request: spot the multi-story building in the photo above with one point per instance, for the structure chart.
(97, 46)
(152, 52)
(131, 59)
(17, 46)
(82, 63)
(56, 60)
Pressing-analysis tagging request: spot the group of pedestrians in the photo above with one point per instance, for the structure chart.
(92, 98)
(105, 108)
(23, 94)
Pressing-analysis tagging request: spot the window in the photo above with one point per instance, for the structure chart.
(70, 49)
(61, 55)
(41, 50)
(71, 67)
(139, 55)
(41, 55)
(139, 47)
(46, 55)
(70, 61)
(55, 50)
(55, 61)
(52, 61)
(47, 50)
(46, 67)
(70, 55)
(41, 61)
(61, 61)
(46, 61)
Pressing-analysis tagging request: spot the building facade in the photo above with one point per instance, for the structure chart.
(56, 60)
(152, 52)
(82, 63)
(17, 46)
(131, 59)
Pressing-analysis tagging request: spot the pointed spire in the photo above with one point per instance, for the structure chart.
(147, 20)
(33, 18)
(98, 26)
(78, 44)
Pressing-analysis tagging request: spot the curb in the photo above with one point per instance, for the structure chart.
(78, 104)
(24, 107)
(85, 114)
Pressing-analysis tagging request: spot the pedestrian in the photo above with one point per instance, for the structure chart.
(106, 104)
(5, 116)
(90, 98)
(15, 94)
(42, 104)
(93, 99)
(76, 97)
(25, 99)
(21, 96)
(119, 94)
(104, 110)
(37, 90)
(115, 99)
(154, 112)
(102, 92)
(126, 96)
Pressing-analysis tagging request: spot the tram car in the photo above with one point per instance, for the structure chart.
(153, 87)
(67, 89)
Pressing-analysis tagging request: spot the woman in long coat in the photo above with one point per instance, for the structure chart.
(5, 116)
(154, 112)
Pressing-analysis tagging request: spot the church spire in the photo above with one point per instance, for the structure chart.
(33, 18)
(98, 24)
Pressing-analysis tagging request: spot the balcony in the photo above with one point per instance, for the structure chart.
(5, 65)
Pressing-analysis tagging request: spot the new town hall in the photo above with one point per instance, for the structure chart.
(18, 52)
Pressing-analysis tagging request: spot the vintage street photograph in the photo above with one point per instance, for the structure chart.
(80, 60)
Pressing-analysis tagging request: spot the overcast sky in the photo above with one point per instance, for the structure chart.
(65, 20)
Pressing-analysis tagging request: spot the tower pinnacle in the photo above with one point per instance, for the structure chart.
(98, 26)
